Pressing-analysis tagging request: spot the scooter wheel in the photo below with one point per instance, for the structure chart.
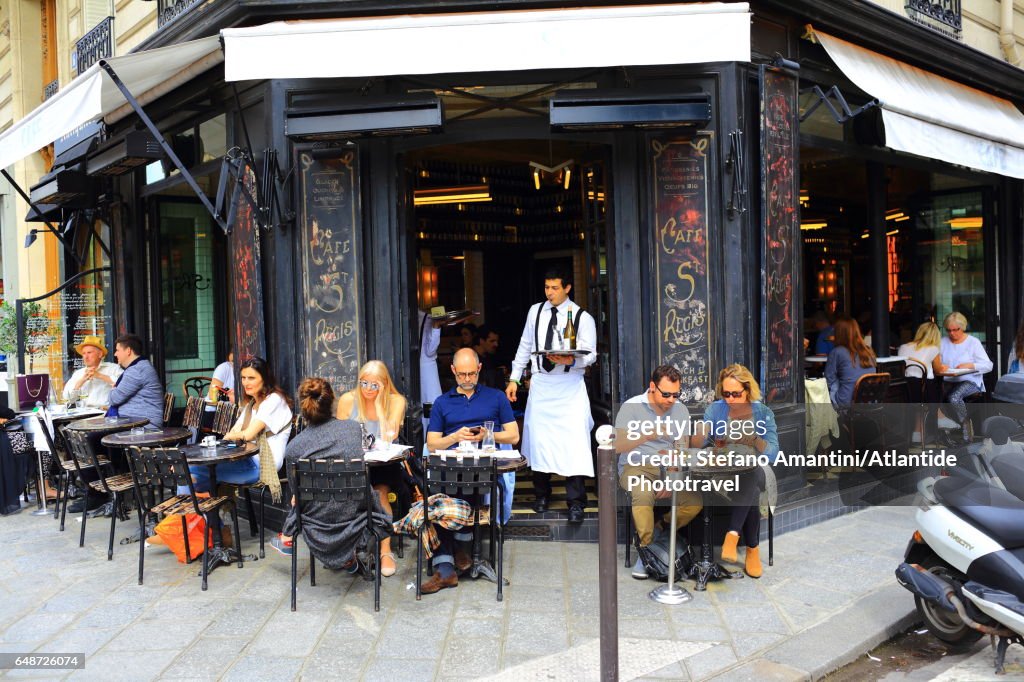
(947, 627)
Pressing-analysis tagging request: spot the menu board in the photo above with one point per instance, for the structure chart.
(330, 267)
(780, 224)
(679, 184)
(59, 321)
(246, 287)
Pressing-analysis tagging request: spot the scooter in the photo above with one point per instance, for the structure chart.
(965, 562)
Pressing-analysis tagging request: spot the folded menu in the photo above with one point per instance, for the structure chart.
(956, 371)
(394, 451)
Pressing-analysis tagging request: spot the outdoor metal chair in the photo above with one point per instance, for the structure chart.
(224, 417)
(168, 407)
(464, 479)
(325, 480)
(112, 484)
(195, 387)
(193, 418)
(154, 469)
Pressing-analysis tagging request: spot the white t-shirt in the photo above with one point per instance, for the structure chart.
(275, 413)
(924, 355)
(225, 374)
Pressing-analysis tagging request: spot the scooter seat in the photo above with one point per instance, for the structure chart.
(994, 510)
(1010, 469)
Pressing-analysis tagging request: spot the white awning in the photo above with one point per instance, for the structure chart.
(490, 41)
(932, 116)
(93, 95)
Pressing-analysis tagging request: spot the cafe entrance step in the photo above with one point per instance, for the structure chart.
(553, 524)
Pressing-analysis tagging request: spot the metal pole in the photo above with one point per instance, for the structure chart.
(608, 561)
(670, 593)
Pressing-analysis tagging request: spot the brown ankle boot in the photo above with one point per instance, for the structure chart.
(225, 536)
(732, 539)
(752, 562)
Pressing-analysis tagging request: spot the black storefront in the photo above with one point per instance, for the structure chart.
(685, 239)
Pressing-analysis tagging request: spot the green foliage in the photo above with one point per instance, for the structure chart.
(8, 329)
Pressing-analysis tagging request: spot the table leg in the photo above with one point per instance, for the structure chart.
(706, 569)
(40, 487)
(219, 554)
(482, 568)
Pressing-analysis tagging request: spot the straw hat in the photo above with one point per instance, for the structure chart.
(92, 341)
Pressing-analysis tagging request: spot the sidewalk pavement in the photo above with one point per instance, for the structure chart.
(830, 597)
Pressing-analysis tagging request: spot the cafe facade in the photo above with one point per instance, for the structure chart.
(328, 169)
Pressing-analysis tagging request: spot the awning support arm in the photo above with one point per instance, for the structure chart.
(51, 228)
(824, 97)
(205, 200)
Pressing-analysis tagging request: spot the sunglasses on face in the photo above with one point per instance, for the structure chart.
(733, 394)
(369, 385)
(667, 394)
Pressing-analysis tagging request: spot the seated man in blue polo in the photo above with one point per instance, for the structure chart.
(452, 420)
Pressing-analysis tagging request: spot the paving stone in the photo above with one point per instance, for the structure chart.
(259, 667)
(763, 671)
(708, 662)
(412, 670)
(80, 640)
(206, 659)
(36, 627)
(469, 657)
(240, 619)
(760, 618)
(112, 665)
(292, 633)
(331, 665)
(110, 615)
(748, 643)
(675, 671)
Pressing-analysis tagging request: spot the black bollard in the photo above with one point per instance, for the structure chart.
(607, 558)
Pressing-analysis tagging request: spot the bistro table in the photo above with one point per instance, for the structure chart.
(31, 425)
(706, 568)
(224, 451)
(101, 426)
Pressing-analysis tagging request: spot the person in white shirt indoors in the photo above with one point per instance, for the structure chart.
(91, 384)
(558, 422)
(222, 385)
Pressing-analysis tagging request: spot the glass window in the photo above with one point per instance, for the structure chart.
(213, 139)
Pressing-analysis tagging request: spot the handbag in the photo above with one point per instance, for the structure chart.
(655, 559)
(169, 530)
(32, 389)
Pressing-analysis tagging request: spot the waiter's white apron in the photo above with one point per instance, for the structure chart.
(556, 429)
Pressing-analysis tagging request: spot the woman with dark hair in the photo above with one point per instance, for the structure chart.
(848, 361)
(332, 530)
(1015, 363)
(265, 412)
(740, 422)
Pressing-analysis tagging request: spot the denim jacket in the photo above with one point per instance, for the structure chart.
(718, 412)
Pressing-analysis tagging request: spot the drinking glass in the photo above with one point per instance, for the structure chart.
(487, 445)
(387, 435)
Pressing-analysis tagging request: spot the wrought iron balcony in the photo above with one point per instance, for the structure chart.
(939, 15)
(51, 89)
(169, 10)
(95, 45)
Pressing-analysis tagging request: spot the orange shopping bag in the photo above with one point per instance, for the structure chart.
(169, 531)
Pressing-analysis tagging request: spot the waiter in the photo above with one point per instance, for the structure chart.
(556, 430)
(430, 381)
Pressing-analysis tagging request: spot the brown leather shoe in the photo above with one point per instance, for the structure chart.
(437, 583)
(462, 561)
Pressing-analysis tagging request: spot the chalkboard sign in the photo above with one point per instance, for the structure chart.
(780, 224)
(247, 289)
(330, 267)
(679, 185)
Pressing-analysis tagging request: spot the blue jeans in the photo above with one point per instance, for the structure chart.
(242, 471)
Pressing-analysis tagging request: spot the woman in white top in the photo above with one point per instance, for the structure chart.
(961, 351)
(222, 385)
(378, 405)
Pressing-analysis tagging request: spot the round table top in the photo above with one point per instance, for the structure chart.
(74, 415)
(197, 454)
(512, 464)
(169, 435)
(105, 425)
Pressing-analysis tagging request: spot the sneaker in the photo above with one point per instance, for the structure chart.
(639, 570)
(285, 547)
(946, 423)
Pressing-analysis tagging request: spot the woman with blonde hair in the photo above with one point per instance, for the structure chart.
(961, 362)
(377, 404)
(920, 353)
(740, 422)
(848, 361)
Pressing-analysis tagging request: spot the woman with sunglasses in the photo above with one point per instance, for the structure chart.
(961, 361)
(848, 361)
(739, 418)
(376, 404)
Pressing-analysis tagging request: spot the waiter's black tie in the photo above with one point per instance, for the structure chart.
(549, 339)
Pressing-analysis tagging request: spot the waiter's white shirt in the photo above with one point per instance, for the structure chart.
(586, 339)
(99, 390)
(430, 341)
(556, 429)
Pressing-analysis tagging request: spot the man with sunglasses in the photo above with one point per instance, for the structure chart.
(648, 427)
(458, 415)
(558, 422)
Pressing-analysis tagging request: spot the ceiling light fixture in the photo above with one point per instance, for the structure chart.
(559, 175)
(463, 194)
(819, 225)
(966, 223)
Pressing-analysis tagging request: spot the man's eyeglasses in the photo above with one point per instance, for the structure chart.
(733, 394)
(953, 329)
(466, 375)
(667, 394)
(369, 385)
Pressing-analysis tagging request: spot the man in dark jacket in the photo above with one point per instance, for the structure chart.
(138, 392)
